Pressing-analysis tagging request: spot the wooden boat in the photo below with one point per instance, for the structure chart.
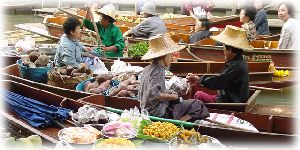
(206, 50)
(12, 73)
(49, 135)
(54, 32)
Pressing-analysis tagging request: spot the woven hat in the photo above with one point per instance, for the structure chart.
(149, 8)
(235, 37)
(161, 45)
(108, 10)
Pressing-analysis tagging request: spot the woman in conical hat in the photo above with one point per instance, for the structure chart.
(110, 34)
(233, 81)
(153, 94)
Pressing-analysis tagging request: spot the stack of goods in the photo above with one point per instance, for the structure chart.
(91, 115)
(79, 135)
(128, 86)
(68, 76)
(190, 139)
(281, 73)
(34, 67)
(114, 143)
(138, 50)
(99, 84)
(134, 116)
(119, 129)
(161, 131)
(123, 85)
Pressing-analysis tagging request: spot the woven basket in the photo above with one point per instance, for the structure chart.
(68, 82)
(38, 74)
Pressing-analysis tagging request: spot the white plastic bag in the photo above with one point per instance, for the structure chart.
(199, 12)
(99, 67)
(25, 45)
(118, 66)
(178, 84)
(63, 145)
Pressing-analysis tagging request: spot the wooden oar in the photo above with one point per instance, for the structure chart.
(69, 13)
(264, 88)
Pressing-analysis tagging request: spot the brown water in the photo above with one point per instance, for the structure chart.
(12, 19)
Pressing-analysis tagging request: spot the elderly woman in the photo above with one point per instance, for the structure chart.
(110, 34)
(69, 51)
(247, 15)
(150, 26)
(290, 29)
(233, 81)
(153, 94)
(202, 31)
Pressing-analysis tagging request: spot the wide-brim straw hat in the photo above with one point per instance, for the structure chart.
(161, 45)
(108, 10)
(235, 37)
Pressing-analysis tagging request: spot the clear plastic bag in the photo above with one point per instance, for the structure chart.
(178, 84)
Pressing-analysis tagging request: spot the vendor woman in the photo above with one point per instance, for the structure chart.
(153, 94)
(110, 34)
(69, 51)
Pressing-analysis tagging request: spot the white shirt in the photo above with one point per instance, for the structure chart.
(288, 35)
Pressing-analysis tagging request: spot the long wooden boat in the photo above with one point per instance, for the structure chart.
(55, 33)
(206, 50)
(12, 73)
(259, 74)
(49, 135)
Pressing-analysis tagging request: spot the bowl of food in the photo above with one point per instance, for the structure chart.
(113, 143)
(79, 135)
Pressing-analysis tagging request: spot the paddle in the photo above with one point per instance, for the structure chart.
(96, 29)
(69, 13)
(264, 88)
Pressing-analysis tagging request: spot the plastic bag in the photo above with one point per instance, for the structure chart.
(199, 12)
(178, 84)
(25, 45)
(118, 66)
(63, 145)
(99, 67)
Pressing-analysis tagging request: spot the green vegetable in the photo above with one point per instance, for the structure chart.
(138, 50)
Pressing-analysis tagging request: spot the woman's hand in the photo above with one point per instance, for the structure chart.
(192, 77)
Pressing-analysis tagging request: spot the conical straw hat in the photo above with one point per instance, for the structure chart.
(108, 10)
(161, 45)
(235, 37)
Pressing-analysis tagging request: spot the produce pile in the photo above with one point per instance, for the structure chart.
(69, 71)
(119, 129)
(32, 142)
(114, 143)
(79, 135)
(35, 59)
(123, 85)
(281, 73)
(126, 19)
(161, 131)
(138, 50)
(88, 114)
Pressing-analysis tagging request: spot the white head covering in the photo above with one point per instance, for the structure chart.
(149, 8)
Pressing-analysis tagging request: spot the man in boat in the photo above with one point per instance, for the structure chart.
(202, 31)
(153, 94)
(261, 18)
(233, 81)
(290, 27)
(110, 34)
(198, 8)
(69, 51)
(150, 26)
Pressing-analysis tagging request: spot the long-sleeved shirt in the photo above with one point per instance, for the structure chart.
(288, 34)
(232, 83)
(261, 23)
(151, 85)
(149, 27)
(68, 52)
(110, 36)
(250, 30)
(197, 36)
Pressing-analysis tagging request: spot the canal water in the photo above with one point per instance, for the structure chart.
(285, 97)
